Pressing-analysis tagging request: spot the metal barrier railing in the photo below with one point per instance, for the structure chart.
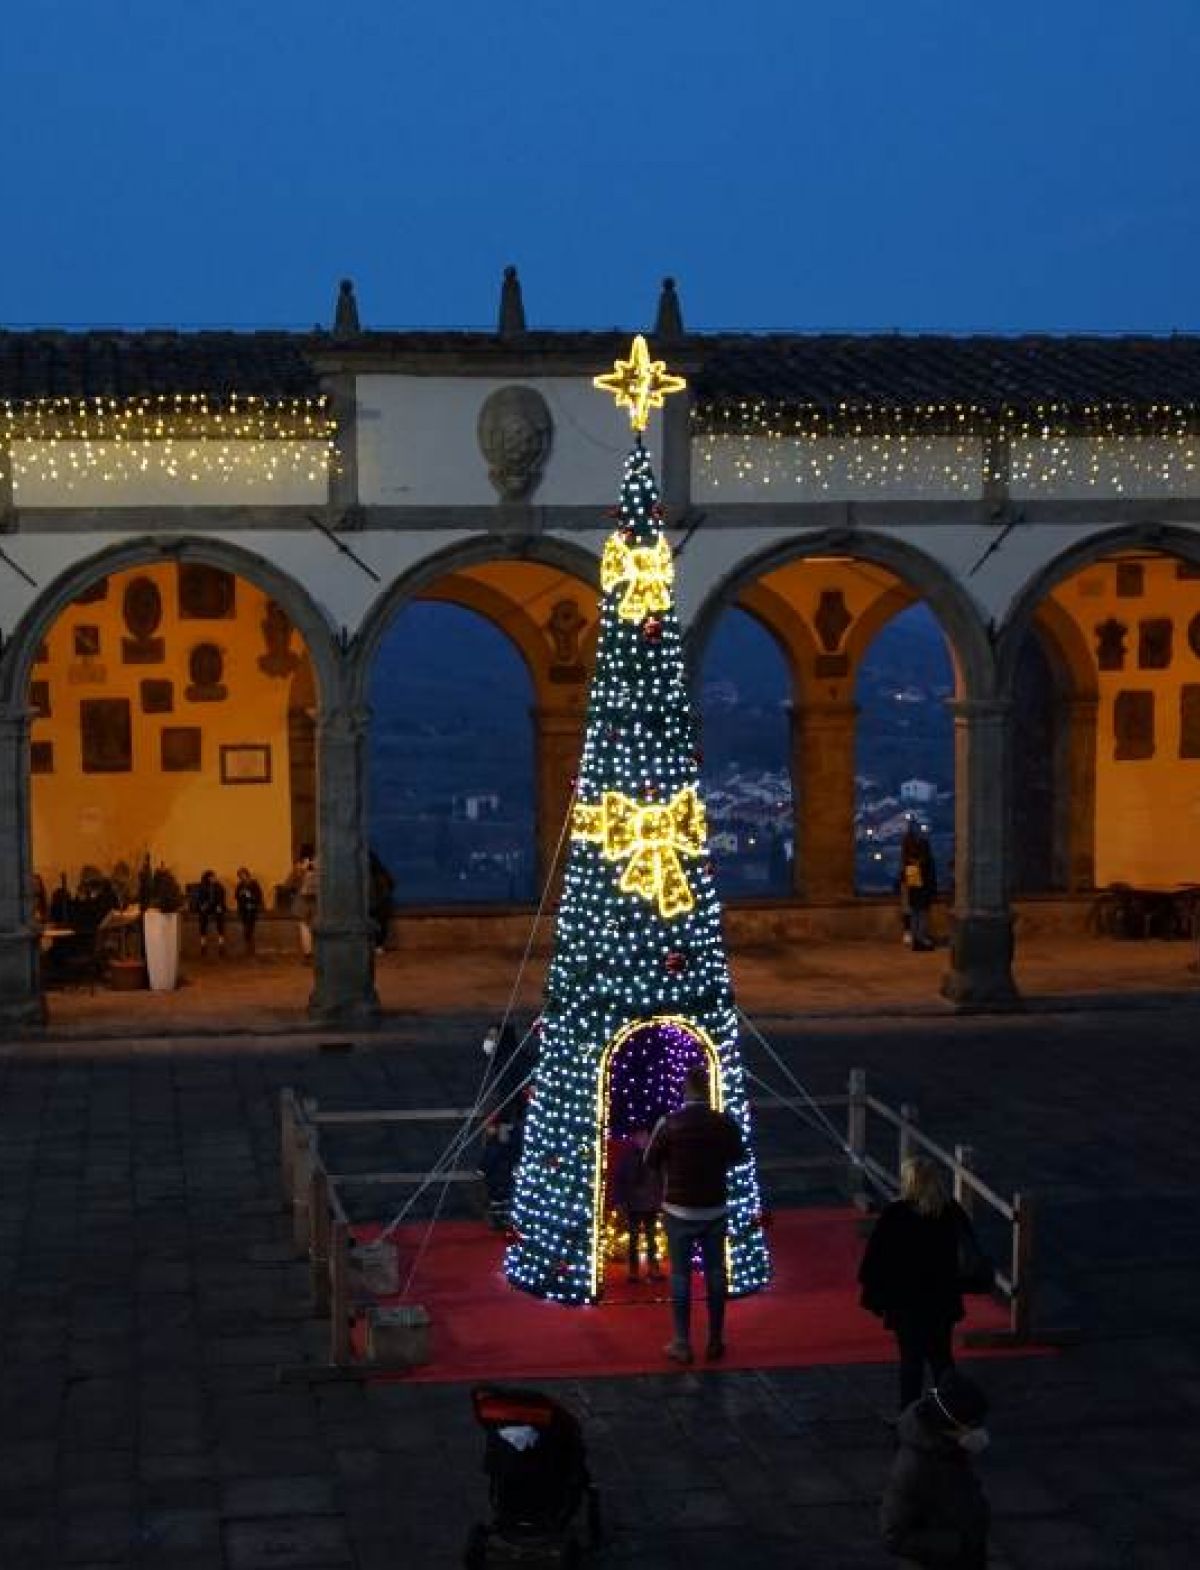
(321, 1228)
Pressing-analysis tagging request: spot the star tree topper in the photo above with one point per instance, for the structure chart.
(639, 383)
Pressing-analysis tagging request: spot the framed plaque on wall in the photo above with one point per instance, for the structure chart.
(246, 765)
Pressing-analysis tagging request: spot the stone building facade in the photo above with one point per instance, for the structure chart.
(1025, 488)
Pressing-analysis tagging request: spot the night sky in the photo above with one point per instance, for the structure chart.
(864, 164)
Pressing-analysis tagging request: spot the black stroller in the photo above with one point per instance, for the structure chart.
(538, 1482)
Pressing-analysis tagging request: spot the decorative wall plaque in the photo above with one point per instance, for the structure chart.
(1189, 720)
(106, 735)
(181, 748)
(142, 609)
(515, 432)
(87, 642)
(831, 619)
(1110, 644)
(1133, 725)
(93, 593)
(1194, 635)
(564, 627)
(1131, 580)
(1154, 643)
(206, 593)
(41, 654)
(39, 699)
(158, 697)
(41, 757)
(279, 660)
(206, 667)
(246, 765)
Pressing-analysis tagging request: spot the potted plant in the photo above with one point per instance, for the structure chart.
(160, 928)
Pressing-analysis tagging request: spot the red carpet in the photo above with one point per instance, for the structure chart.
(483, 1329)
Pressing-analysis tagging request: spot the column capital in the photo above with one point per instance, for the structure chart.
(343, 723)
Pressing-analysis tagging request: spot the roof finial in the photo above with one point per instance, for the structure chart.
(668, 324)
(345, 315)
(512, 306)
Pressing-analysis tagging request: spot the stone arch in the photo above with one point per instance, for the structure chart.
(307, 616)
(20, 992)
(1076, 744)
(572, 559)
(1164, 539)
(966, 634)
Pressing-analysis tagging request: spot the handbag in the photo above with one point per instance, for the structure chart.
(976, 1272)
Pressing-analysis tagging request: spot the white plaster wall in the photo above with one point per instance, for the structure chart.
(417, 445)
(274, 472)
(1109, 466)
(856, 468)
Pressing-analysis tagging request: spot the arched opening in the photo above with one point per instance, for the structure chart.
(452, 759)
(1118, 728)
(745, 698)
(904, 749)
(164, 745)
(641, 1080)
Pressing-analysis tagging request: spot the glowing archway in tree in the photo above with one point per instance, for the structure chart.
(638, 945)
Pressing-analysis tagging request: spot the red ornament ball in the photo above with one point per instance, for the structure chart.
(628, 534)
(675, 962)
(698, 756)
(652, 629)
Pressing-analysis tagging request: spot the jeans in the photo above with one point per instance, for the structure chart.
(681, 1236)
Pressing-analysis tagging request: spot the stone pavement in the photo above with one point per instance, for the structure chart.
(866, 977)
(150, 1298)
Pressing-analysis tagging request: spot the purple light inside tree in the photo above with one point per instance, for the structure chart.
(646, 1080)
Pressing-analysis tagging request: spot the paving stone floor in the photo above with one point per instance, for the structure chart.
(150, 1298)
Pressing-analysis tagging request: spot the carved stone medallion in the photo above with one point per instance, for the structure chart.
(142, 609)
(206, 667)
(515, 432)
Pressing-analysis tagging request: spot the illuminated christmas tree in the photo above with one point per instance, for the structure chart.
(638, 989)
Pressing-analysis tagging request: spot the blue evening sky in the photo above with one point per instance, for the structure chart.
(863, 164)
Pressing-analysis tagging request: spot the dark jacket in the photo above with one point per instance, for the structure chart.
(636, 1186)
(695, 1147)
(909, 1271)
(210, 898)
(249, 897)
(918, 873)
(933, 1511)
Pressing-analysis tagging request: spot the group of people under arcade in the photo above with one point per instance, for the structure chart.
(920, 1258)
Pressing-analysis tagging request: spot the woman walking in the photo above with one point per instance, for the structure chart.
(909, 1274)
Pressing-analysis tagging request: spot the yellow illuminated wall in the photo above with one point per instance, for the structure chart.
(1147, 808)
(188, 818)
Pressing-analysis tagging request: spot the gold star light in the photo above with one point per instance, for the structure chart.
(639, 383)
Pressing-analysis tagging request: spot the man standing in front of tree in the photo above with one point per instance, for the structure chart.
(695, 1148)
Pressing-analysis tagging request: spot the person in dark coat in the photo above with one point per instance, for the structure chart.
(934, 1512)
(248, 897)
(210, 910)
(918, 885)
(695, 1148)
(638, 1192)
(909, 1274)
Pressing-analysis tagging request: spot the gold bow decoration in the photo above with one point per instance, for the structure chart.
(647, 571)
(653, 838)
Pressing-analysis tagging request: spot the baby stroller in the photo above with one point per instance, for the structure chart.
(538, 1482)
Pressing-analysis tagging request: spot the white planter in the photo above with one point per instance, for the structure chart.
(161, 930)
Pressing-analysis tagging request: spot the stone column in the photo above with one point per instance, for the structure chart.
(981, 943)
(558, 742)
(343, 939)
(21, 1003)
(823, 800)
(1075, 804)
